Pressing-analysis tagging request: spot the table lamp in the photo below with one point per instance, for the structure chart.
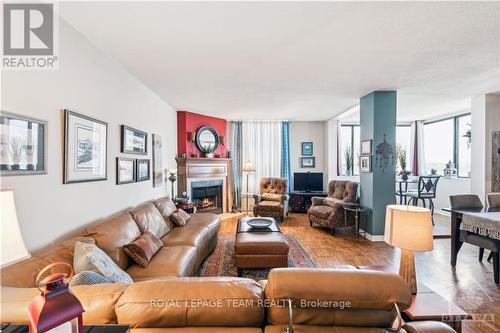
(248, 169)
(13, 248)
(410, 229)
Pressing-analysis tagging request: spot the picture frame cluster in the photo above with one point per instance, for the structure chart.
(365, 156)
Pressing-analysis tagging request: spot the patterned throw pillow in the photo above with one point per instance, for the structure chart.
(87, 278)
(143, 248)
(271, 197)
(89, 257)
(180, 217)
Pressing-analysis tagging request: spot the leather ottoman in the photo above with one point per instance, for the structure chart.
(259, 249)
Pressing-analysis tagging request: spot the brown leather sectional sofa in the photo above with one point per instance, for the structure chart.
(164, 300)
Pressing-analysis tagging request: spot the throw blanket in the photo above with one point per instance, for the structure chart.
(484, 224)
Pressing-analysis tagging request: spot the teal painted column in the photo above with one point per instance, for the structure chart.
(378, 122)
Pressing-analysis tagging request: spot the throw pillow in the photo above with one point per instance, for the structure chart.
(87, 278)
(180, 217)
(271, 197)
(143, 248)
(89, 257)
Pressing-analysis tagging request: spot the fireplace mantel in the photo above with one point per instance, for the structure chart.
(194, 169)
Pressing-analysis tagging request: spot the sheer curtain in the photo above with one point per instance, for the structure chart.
(261, 144)
(417, 156)
(237, 163)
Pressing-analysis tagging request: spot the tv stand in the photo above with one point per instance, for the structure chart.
(300, 201)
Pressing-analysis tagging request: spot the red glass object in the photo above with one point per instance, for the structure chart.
(56, 305)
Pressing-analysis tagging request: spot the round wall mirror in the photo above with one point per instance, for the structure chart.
(207, 139)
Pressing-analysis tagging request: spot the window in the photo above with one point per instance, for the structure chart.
(448, 140)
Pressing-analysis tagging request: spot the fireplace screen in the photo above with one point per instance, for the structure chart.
(207, 196)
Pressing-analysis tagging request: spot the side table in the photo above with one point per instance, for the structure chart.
(358, 210)
(188, 207)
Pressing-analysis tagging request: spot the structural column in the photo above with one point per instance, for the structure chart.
(378, 123)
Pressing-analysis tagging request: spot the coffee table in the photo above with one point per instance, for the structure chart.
(259, 248)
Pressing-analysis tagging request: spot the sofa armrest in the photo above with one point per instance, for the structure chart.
(257, 198)
(427, 327)
(317, 201)
(285, 198)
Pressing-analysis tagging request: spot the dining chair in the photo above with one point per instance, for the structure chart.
(472, 202)
(426, 190)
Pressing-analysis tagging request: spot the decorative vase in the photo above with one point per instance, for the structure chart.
(404, 175)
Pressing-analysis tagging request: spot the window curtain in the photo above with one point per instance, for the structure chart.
(261, 145)
(340, 153)
(237, 163)
(286, 171)
(417, 156)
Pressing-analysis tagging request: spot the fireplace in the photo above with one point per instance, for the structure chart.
(207, 196)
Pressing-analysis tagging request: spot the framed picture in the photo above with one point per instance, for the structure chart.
(157, 161)
(365, 163)
(134, 141)
(23, 145)
(85, 148)
(307, 162)
(366, 147)
(142, 170)
(307, 148)
(125, 170)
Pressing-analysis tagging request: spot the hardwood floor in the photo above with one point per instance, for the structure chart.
(470, 285)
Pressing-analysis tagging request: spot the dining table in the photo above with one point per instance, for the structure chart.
(456, 221)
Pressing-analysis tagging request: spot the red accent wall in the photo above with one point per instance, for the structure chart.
(188, 122)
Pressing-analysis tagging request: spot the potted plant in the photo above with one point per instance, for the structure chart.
(16, 152)
(209, 150)
(433, 172)
(468, 135)
(348, 160)
(401, 155)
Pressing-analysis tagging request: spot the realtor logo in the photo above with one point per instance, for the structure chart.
(28, 36)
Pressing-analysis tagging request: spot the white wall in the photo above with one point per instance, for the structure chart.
(91, 83)
(485, 119)
(309, 131)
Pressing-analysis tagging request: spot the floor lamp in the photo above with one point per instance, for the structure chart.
(248, 169)
(410, 229)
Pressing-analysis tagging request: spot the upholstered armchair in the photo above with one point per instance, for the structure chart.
(329, 211)
(272, 200)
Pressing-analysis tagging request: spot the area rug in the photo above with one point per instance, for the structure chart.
(221, 261)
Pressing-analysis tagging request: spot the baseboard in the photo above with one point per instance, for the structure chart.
(372, 238)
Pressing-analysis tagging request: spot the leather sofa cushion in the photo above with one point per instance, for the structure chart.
(23, 274)
(98, 301)
(327, 329)
(165, 206)
(112, 234)
(200, 228)
(169, 261)
(148, 218)
(197, 330)
(217, 301)
(272, 243)
(427, 327)
(371, 295)
(207, 220)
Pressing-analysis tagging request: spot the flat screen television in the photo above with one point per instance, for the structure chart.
(308, 181)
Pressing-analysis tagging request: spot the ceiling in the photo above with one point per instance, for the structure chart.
(299, 60)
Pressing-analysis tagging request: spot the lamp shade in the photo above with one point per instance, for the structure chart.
(408, 227)
(13, 248)
(248, 167)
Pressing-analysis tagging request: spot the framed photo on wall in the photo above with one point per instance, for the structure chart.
(23, 145)
(157, 161)
(125, 170)
(85, 148)
(308, 162)
(307, 149)
(134, 141)
(366, 147)
(365, 163)
(143, 167)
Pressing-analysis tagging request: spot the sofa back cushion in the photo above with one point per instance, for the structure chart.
(186, 302)
(344, 190)
(371, 296)
(98, 301)
(112, 234)
(23, 274)
(166, 207)
(148, 218)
